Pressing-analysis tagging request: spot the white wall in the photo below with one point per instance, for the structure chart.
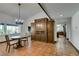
(75, 30)
(62, 20)
(68, 29)
(55, 31)
(4, 18)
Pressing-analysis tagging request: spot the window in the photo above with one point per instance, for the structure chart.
(59, 28)
(1, 29)
(13, 29)
(9, 29)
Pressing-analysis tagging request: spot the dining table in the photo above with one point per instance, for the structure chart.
(19, 38)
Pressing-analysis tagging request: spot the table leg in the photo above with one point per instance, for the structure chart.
(19, 44)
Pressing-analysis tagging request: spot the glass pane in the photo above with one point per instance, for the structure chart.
(1, 29)
(13, 29)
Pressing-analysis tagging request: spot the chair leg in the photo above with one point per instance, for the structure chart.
(6, 47)
(27, 43)
(9, 49)
(13, 46)
(24, 43)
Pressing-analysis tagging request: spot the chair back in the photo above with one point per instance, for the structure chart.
(7, 39)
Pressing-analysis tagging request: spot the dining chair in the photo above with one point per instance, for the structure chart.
(25, 40)
(10, 43)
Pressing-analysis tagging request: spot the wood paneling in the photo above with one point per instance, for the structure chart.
(50, 31)
(43, 30)
(33, 30)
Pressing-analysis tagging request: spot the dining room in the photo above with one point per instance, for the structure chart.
(27, 29)
(13, 31)
(16, 29)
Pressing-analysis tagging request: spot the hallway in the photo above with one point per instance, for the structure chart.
(61, 48)
(65, 48)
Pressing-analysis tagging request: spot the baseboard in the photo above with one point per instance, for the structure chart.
(74, 46)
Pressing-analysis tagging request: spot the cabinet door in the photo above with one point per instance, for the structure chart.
(38, 37)
(33, 31)
(51, 31)
(41, 29)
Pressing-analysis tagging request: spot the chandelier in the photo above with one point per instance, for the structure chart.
(19, 20)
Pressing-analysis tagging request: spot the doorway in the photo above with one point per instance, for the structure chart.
(61, 30)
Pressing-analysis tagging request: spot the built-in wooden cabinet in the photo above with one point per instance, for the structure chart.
(33, 31)
(50, 31)
(43, 30)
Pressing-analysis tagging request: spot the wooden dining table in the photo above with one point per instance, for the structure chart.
(19, 38)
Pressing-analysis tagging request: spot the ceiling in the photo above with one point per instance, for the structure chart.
(26, 9)
(30, 9)
(61, 10)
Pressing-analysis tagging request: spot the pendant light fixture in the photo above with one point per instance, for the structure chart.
(19, 20)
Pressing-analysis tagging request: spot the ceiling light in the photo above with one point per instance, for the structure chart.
(61, 15)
